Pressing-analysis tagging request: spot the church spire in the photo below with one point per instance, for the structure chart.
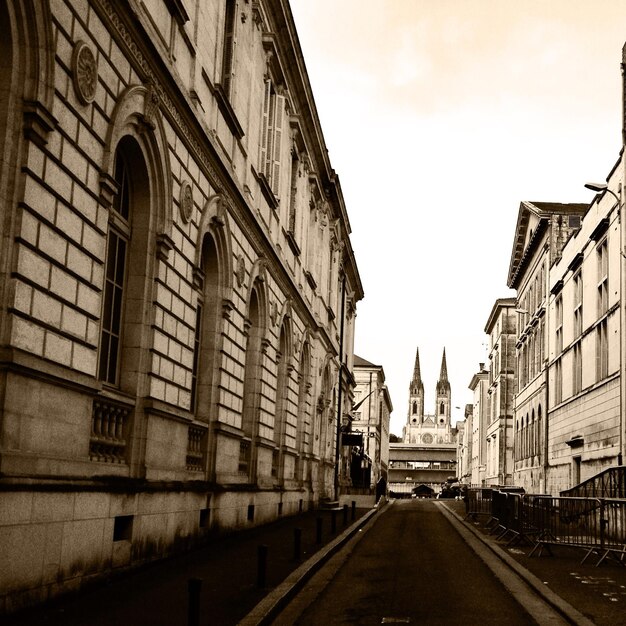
(416, 385)
(442, 383)
(417, 377)
(416, 394)
(443, 375)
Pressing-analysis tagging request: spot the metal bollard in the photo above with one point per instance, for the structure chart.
(193, 613)
(261, 566)
(353, 510)
(345, 514)
(297, 543)
(333, 521)
(318, 530)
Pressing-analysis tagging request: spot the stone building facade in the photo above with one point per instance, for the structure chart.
(541, 231)
(371, 415)
(585, 343)
(479, 386)
(502, 332)
(177, 283)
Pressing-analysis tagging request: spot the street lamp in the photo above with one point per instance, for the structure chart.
(601, 188)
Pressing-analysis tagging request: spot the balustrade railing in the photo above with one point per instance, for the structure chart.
(109, 431)
(195, 448)
(244, 457)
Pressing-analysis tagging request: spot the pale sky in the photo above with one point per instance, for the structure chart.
(440, 117)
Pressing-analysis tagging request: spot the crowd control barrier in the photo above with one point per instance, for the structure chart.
(596, 525)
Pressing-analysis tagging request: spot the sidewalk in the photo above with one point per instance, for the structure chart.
(599, 593)
(157, 594)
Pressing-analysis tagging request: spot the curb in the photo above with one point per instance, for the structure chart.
(570, 613)
(269, 608)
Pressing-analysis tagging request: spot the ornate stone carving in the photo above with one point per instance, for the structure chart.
(151, 105)
(186, 201)
(274, 313)
(240, 272)
(84, 72)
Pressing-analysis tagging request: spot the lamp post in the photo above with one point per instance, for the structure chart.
(602, 188)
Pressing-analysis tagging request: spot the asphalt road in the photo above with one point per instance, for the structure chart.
(412, 566)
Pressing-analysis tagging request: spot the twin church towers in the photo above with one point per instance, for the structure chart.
(427, 429)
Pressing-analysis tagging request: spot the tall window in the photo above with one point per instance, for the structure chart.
(229, 47)
(602, 351)
(271, 136)
(196, 358)
(293, 195)
(558, 323)
(577, 373)
(204, 370)
(603, 278)
(113, 298)
(578, 304)
(558, 382)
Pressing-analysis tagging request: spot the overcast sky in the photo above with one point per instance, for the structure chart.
(440, 116)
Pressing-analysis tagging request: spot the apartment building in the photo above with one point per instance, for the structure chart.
(541, 232)
(585, 433)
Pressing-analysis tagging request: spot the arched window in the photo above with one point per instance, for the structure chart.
(441, 408)
(251, 385)
(124, 292)
(204, 366)
(282, 391)
(539, 433)
(303, 431)
(414, 408)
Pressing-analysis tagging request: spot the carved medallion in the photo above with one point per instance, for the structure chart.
(186, 201)
(84, 72)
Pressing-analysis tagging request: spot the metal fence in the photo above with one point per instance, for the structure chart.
(597, 525)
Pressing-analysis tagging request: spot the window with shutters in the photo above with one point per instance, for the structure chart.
(558, 382)
(228, 51)
(578, 304)
(272, 136)
(577, 373)
(559, 324)
(603, 277)
(602, 351)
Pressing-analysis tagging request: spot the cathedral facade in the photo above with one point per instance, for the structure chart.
(424, 428)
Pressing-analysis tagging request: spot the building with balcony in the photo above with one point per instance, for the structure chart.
(177, 284)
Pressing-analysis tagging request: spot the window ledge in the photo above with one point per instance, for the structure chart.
(227, 111)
